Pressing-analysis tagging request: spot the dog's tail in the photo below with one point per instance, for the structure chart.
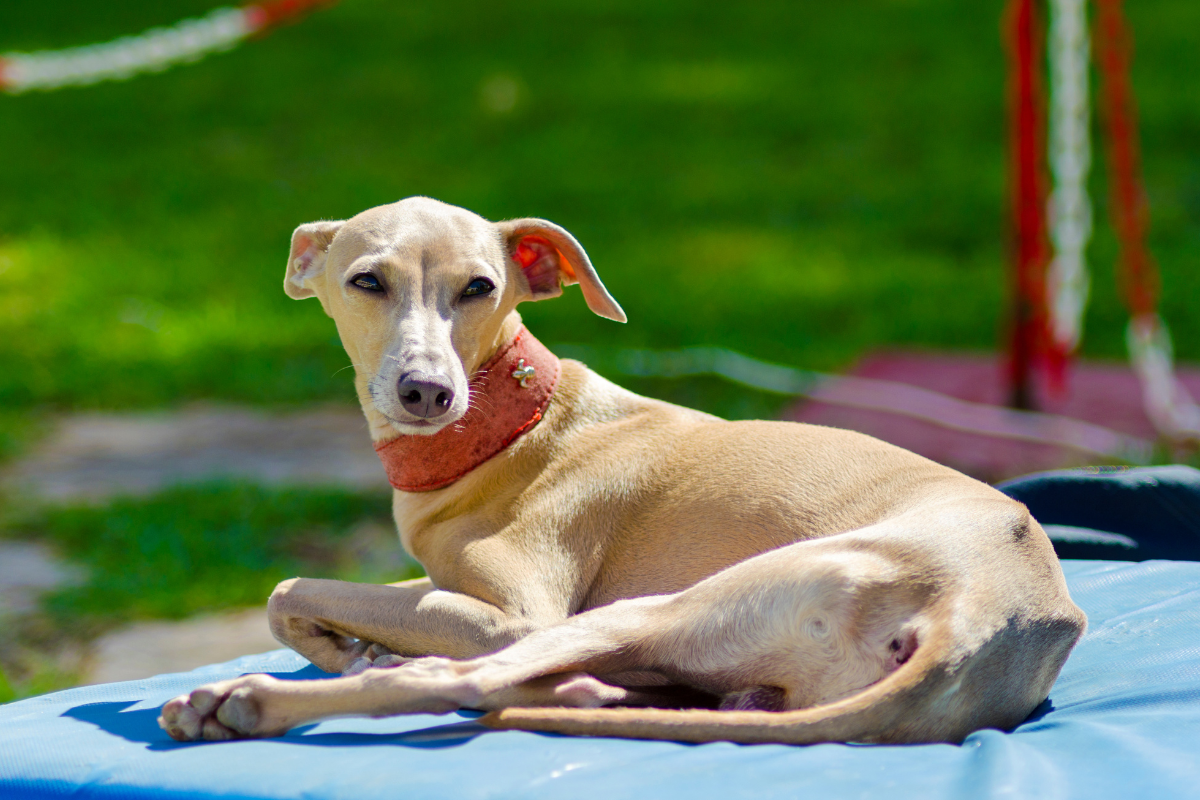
(937, 696)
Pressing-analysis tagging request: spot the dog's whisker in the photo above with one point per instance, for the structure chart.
(351, 365)
(480, 397)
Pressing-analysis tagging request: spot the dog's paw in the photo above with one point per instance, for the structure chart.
(236, 709)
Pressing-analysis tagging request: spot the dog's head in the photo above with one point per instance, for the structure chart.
(424, 292)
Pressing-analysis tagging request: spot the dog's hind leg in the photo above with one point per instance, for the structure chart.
(742, 633)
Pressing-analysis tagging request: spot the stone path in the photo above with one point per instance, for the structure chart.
(26, 570)
(153, 648)
(95, 456)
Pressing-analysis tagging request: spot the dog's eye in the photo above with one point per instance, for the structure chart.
(367, 281)
(478, 286)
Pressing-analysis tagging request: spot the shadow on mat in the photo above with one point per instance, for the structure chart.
(141, 726)
(1038, 714)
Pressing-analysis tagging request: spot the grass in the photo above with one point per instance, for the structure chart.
(194, 549)
(800, 183)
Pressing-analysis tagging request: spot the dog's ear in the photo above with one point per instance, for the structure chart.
(550, 257)
(310, 246)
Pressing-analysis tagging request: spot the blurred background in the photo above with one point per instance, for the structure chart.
(805, 183)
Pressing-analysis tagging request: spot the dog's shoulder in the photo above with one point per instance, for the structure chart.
(591, 397)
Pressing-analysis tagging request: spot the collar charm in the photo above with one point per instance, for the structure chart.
(523, 373)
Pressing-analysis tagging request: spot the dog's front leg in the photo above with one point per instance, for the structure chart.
(257, 706)
(331, 623)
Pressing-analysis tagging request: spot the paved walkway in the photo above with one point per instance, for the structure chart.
(26, 570)
(145, 649)
(93, 456)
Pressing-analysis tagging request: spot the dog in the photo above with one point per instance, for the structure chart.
(601, 563)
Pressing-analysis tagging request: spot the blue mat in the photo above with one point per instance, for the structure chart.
(1116, 513)
(1123, 721)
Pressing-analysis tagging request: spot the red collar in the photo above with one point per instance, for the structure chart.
(508, 397)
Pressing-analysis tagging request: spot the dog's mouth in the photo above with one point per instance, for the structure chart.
(420, 427)
(422, 424)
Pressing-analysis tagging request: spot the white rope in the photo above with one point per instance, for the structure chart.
(1168, 403)
(1070, 210)
(152, 51)
(867, 393)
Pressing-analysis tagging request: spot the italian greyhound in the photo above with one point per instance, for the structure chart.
(600, 563)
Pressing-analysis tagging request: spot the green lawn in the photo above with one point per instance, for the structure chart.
(799, 181)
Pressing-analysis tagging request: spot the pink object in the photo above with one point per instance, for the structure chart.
(504, 405)
(1106, 394)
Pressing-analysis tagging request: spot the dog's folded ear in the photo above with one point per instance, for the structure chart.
(549, 257)
(310, 246)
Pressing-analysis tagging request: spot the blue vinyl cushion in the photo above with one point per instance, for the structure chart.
(1123, 720)
(1116, 513)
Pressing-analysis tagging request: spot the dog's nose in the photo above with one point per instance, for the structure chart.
(425, 397)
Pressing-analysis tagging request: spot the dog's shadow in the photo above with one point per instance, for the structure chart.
(141, 726)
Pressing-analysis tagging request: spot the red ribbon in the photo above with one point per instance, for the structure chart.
(1031, 345)
(1130, 211)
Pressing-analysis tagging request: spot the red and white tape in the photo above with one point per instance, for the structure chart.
(1169, 405)
(152, 51)
(1052, 295)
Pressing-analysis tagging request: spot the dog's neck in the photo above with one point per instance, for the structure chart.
(508, 397)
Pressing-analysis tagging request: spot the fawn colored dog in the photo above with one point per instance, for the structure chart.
(605, 564)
